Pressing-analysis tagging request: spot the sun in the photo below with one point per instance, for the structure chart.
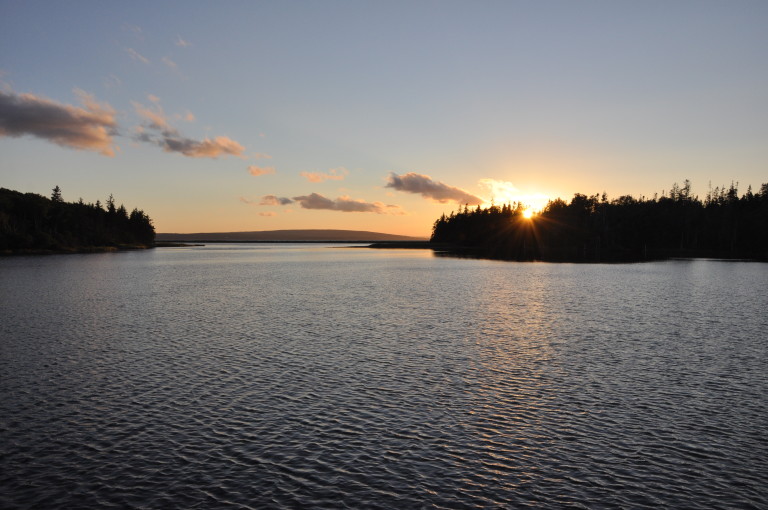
(528, 213)
(504, 192)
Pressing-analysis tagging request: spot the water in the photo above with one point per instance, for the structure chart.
(286, 376)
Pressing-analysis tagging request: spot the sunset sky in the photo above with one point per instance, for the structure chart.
(376, 115)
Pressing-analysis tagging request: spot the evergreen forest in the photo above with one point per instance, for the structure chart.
(33, 223)
(594, 228)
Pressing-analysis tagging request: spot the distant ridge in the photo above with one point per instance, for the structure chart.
(316, 235)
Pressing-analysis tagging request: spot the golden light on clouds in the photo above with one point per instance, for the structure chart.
(257, 170)
(334, 174)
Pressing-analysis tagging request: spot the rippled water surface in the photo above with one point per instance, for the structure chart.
(288, 376)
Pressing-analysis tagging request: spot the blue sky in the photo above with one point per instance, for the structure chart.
(220, 116)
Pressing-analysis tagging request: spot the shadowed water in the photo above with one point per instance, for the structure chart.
(286, 376)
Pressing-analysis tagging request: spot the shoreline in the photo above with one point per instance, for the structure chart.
(439, 249)
(73, 250)
(283, 241)
(475, 252)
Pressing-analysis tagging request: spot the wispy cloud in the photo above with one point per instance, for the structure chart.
(155, 116)
(433, 190)
(334, 174)
(275, 200)
(112, 81)
(255, 170)
(90, 127)
(135, 30)
(268, 213)
(345, 204)
(260, 155)
(136, 56)
(170, 140)
(181, 42)
(170, 63)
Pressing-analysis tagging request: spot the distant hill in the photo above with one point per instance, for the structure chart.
(317, 235)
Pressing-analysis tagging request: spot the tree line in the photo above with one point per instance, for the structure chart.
(30, 222)
(594, 228)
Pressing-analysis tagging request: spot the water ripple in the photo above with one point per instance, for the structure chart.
(309, 377)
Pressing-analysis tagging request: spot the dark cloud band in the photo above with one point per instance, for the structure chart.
(345, 204)
(434, 190)
(90, 127)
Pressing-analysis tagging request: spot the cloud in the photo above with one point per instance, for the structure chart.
(315, 201)
(268, 213)
(171, 140)
(90, 127)
(187, 117)
(170, 63)
(136, 56)
(499, 190)
(345, 204)
(260, 155)
(434, 190)
(155, 116)
(275, 200)
(255, 170)
(505, 192)
(206, 148)
(334, 174)
(182, 43)
(112, 81)
(135, 30)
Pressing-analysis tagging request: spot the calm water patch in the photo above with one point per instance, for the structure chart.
(285, 376)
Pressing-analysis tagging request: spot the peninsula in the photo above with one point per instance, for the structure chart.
(625, 229)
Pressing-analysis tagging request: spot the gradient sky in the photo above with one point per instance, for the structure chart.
(232, 116)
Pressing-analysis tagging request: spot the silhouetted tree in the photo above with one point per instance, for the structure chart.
(593, 228)
(33, 222)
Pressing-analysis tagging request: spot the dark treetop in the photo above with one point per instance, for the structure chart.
(592, 228)
(34, 223)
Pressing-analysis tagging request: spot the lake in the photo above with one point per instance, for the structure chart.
(323, 376)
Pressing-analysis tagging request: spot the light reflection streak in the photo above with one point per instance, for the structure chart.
(511, 367)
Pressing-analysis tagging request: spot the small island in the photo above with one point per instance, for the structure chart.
(32, 223)
(625, 229)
